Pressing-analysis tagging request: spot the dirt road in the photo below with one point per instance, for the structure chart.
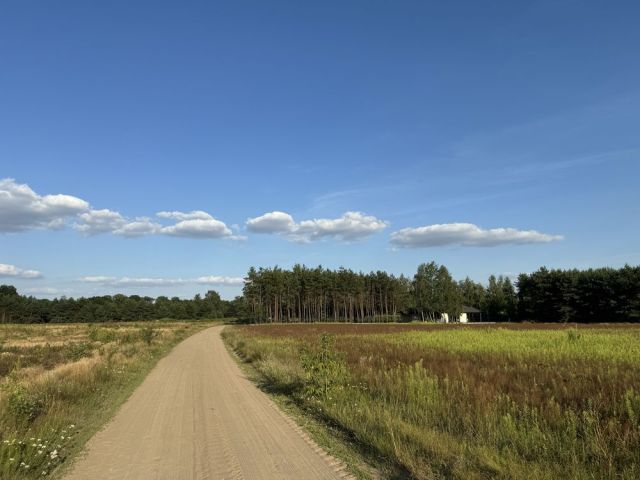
(196, 416)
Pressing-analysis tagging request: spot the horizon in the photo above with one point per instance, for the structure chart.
(158, 150)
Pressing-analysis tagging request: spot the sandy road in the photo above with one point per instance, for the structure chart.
(196, 416)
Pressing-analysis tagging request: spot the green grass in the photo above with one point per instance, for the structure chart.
(60, 383)
(464, 403)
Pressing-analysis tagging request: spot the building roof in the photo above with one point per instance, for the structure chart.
(468, 309)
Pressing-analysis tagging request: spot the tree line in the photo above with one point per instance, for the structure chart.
(15, 308)
(318, 294)
(594, 295)
(304, 294)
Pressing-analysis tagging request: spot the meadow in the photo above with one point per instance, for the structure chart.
(60, 383)
(463, 402)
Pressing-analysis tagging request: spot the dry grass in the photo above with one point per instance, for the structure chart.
(58, 384)
(472, 402)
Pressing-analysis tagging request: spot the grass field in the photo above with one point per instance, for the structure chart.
(60, 383)
(464, 402)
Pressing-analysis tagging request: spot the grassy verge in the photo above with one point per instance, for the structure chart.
(360, 461)
(60, 383)
(465, 402)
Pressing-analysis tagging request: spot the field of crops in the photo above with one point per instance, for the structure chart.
(59, 383)
(535, 402)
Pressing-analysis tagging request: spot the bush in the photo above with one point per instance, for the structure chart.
(102, 335)
(573, 335)
(147, 334)
(79, 350)
(324, 368)
(22, 404)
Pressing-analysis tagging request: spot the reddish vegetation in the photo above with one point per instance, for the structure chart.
(305, 329)
(510, 400)
(571, 383)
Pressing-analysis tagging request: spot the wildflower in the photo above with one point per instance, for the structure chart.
(54, 455)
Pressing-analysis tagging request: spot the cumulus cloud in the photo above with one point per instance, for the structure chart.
(466, 234)
(138, 228)
(351, 226)
(272, 222)
(217, 280)
(196, 224)
(12, 271)
(23, 209)
(46, 291)
(193, 215)
(99, 221)
(161, 282)
(135, 282)
(201, 227)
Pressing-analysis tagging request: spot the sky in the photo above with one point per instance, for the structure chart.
(163, 148)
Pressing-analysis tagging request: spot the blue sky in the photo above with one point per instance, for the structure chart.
(492, 137)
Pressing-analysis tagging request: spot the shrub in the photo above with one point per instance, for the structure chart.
(21, 403)
(324, 368)
(147, 334)
(102, 335)
(573, 335)
(79, 350)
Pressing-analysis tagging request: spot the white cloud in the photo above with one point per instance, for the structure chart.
(12, 271)
(193, 215)
(351, 226)
(23, 209)
(272, 222)
(138, 227)
(198, 228)
(466, 234)
(133, 281)
(148, 282)
(98, 279)
(99, 221)
(161, 282)
(217, 280)
(95, 222)
(196, 224)
(46, 291)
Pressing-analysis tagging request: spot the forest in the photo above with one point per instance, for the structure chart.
(16, 308)
(304, 294)
(318, 294)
